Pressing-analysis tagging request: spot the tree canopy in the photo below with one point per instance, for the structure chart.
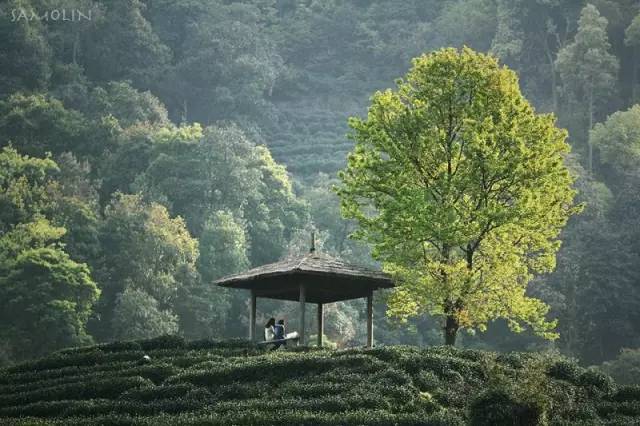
(462, 191)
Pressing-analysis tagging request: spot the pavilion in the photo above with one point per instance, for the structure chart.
(311, 278)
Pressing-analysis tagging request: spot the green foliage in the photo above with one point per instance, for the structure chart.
(127, 105)
(226, 382)
(461, 189)
(480, 16)
(24, 187)
(46, 301)
(625, 368)
(586, 65)
(198, 175)
(123, 28)
(498, 407)
(588, 69)
(45, 296)
(223, 251)
(632, 34)
(223, 247)
(35, 124)
(25, 53)
(618, 141)
(136, 315)
(146, 255)
(565, 370)
(597, 381)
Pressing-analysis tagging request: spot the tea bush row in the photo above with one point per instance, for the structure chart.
(230, 383)
(106, 388)
(155, 372)
(283, 417)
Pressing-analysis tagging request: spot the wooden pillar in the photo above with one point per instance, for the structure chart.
(252, 317)
(320, 325)
(303, 299)
(370, 319)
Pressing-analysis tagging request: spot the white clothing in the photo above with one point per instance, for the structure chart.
(269, 333)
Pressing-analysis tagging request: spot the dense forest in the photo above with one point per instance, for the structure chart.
(158, 145)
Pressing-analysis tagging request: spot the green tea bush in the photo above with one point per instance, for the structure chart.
(163, 342)
(625, 369)
(43, 408)
(154, 372)
(146, 394)
(514, 359)
(236, 344)
(595, 379)
(565, 370)
(88, 358)
(56, 373)
(496, 407)
(106, 388)
(608, 409)
(426, 380)
(235, 382)
(626, 393)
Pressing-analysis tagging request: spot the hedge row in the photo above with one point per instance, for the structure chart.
(275, 369)
(106, 388)
(96, 361)
(270, 417)
(209, 382)
(155, 372)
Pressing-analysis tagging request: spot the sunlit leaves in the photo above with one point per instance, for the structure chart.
(462, 191)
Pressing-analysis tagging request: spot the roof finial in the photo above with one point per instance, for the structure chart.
(313, 242)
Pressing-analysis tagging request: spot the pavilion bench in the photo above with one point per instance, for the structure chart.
(268, 342)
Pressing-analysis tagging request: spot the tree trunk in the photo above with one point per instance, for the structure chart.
(184, 111)
(450, 307)
(590, 145)
(554, 90)
(635, 75)
(451, 324)
(450, 330)
(554, 79)
(76, 43)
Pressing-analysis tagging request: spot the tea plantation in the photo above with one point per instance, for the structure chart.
(229, 383)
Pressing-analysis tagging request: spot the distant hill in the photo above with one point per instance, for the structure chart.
(228, 383)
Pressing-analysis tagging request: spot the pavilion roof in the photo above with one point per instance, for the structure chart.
(327, 279)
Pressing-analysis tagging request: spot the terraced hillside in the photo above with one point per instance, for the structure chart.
(235, 383)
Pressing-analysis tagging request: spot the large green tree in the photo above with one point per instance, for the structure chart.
(462, 191)
(588, 69)
(137, 315)
(147, 252)
(632, 39)
(45, 295)
(24, 52)
(196, 174)
(618, 142)
(36, 124)
(204, 307)
(123, 45)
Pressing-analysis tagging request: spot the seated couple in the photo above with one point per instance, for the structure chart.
(276, 332)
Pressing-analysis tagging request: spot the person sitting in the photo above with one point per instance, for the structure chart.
(274, 334)
(269, 330)
(279, 334)
(279, 330)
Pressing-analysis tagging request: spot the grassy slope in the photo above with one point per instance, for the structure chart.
(232, 383)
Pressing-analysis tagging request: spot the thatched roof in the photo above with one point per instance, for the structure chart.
(327, 279)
